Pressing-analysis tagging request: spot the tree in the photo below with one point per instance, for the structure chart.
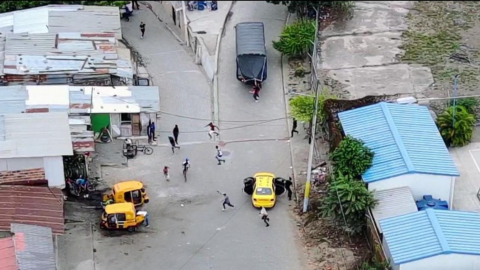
(352, 157)
(296, 39)
(303, 107)
(458, 133)
(304, 8)
(347, 200)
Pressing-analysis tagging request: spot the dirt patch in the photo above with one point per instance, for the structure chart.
(445, 37)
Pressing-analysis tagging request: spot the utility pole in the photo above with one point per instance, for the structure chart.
(314, 120)
(455, 89)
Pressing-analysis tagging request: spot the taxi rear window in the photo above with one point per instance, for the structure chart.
(264, 191)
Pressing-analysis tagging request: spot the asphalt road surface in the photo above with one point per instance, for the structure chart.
(188, 230)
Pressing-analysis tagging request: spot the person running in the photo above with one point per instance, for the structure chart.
(219, 156)
(172, 143)
(264, 216)
(176, 131)
(165, 173)
(142, 29)
(185, 165)
(294, 127)
(212, 130)
(256, 91)
(225, 201)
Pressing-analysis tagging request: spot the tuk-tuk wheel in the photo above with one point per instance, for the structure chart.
(131, 229)
(147, 200)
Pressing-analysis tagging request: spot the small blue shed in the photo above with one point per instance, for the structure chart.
(409, 150)
(433, 240)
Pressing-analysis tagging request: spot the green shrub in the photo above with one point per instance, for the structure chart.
(470, 104)
(352, 157)
(303, 107)
(347, 200)
(297, 39)
(458, 133)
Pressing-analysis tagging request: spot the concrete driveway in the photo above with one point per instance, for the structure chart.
(188, 229)
(467, 185)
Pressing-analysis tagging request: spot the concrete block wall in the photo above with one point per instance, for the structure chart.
(22, 175)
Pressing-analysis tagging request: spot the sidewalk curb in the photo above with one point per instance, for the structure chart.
(216, 110)
(284, 62)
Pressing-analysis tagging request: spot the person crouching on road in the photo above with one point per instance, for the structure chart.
(264, 216)
(145, 214)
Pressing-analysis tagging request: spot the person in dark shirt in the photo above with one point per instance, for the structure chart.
(176, 131)
(294, 127)
(142, 29)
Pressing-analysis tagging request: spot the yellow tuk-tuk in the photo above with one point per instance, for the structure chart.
(121, 216)
(128, 191)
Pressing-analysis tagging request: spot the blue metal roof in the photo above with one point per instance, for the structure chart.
(431, 232)
(404, 138)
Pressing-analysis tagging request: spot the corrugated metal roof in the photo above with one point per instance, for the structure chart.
(250, 38)
(34, 247)
(393, 202)
(8, 259)
(404, 138)
(124, 99)
(63, 18)
(2, 128)
(431, 232)
(12, 99)
(36, 135)
(41, 206)
(63, 53)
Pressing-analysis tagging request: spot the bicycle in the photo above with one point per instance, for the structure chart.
(144, 149)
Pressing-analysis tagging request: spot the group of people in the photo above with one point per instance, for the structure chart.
(263, 211)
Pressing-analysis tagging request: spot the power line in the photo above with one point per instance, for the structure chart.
(237, 127)
(233, 121)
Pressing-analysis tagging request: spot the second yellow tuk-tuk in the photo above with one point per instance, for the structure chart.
(120, 216)
(128, 191)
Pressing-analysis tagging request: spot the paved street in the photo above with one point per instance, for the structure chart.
(184, 90)
(188, 229)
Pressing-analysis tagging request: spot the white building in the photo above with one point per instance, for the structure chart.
(433, 240)
(409, 150)
(32, 146)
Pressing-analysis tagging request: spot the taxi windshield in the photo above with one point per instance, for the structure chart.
(263, 191)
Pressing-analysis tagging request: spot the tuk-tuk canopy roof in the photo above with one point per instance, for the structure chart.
(127, 186)
(118, 208)
(250, 39)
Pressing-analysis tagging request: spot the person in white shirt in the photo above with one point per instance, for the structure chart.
(145, 214)
(219, 156)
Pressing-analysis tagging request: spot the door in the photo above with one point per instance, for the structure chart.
(128, 196)
(136, 196)
(136, 125)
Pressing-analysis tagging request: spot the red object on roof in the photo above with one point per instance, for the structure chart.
(8, 258)
(41, 206)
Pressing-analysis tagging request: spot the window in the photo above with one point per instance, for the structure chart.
(121, 217)
(136, 194)
(125, 117)
(263, 191)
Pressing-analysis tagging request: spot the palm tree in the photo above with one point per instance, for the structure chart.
(458, 133)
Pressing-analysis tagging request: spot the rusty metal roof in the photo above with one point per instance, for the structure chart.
(8, 260)
(63, 53)
(33, 247)
(41, 206)
(63, 18)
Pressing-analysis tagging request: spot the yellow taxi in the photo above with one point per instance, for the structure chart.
(263, 194)
(128, 191)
